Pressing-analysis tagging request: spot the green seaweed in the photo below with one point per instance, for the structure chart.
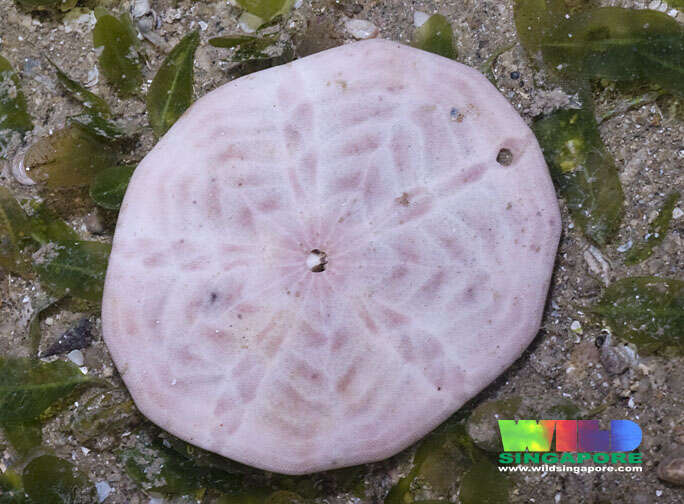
(119, 57)
(349, 480)
(96, 116)
(234, 41)
(24, 437)
(656, 232)
(80, 93)
(677, 4)
(246, 47)
(583, 171)
(436, 36)
(534, 19)
(266, 9)
(447, 461)
(647, 311)
(29, 389)
(207, 459)
(14, 232)
(484, 484)
(618, 44)
(174, 467)
(46, 226)
(14, 118)
(98, 126)
(109, 186)
(75, 267)
(108, 413)
(12, 488)
(437, 466)
(52, 480)
(284, 497)
(170, 93)
(157, 467)
(70, 157)
(251, 496)
(63, 5)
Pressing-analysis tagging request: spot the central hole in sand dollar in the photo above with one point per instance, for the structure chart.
(316, 260)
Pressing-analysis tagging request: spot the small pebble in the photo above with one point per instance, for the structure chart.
(140, 8)
(361, 29)
(597, 264)
(576, 327)
(672, 469)
(76, 356)
(249, 22)
(625, 246)
(18, 169)
(77, 337)
(93, 77)
(515, 75)
(615, 360)
(678, 434)
(103, 490)
(93, 223)
(677, 213)
(419, 18)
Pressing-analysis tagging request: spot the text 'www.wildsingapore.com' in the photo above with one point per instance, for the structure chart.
(581, 446)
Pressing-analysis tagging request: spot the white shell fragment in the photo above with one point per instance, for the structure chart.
(76, 356)
(18, 169)
(320, 262)
(419, 18)
(361, 29)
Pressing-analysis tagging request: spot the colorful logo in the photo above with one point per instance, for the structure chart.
(571, 435)
(576, 441)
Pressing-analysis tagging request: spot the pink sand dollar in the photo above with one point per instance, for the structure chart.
(321, 262)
